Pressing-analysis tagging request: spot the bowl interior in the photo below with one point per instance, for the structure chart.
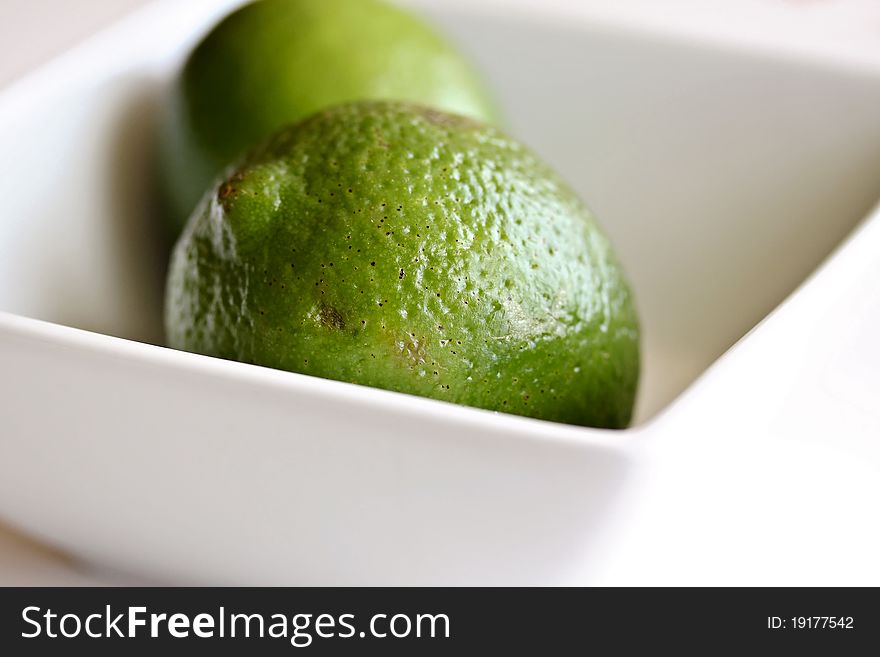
(723, 177)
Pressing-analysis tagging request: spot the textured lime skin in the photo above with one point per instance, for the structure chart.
(274, 62)
(395, 246)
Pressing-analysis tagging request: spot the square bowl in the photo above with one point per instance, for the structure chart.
(724, 175)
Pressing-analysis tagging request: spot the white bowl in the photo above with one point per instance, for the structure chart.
(723, 175)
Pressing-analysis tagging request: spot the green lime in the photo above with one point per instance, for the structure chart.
(397, 246)
(274, 62)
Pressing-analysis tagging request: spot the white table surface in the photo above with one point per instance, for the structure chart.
(34, 31)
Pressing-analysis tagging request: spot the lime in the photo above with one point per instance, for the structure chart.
(396, 246)
(274, 62)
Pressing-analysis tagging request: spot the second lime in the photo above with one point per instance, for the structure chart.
(274, 62)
